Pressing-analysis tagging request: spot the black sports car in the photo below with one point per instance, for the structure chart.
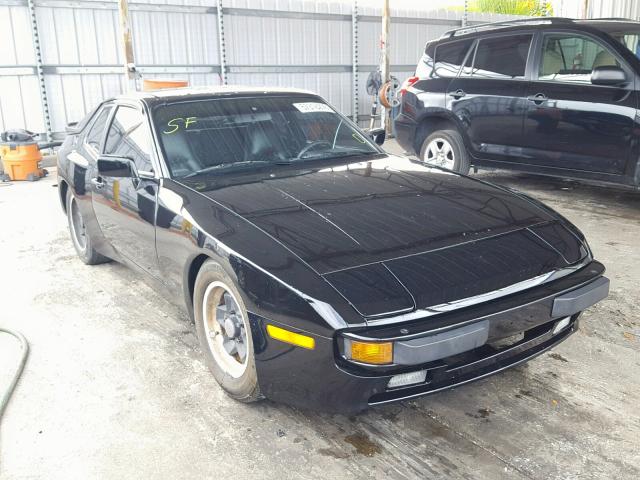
(319, 270)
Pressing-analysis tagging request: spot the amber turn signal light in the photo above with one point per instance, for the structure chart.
(293, 338)
(374, 353)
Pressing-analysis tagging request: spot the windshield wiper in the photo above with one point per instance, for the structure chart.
(222, 166)
(324, 156)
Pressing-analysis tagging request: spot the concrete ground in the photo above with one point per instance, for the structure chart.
(115, 386)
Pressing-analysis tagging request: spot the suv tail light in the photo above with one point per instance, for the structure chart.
(407, 83)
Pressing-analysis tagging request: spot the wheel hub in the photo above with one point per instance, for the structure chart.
(225, 329)
(231, 328)
(439, 152)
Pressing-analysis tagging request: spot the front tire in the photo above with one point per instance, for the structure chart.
(445, 148)
(80, 238)
(223, 329)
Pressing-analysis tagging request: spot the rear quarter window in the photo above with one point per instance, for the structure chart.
(425, 65)
(449, 58)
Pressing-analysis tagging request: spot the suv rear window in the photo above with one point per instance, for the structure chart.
(449, 58)
(501, 57)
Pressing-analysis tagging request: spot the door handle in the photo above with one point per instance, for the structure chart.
(538, 98)
(97, 182)
(457, 94)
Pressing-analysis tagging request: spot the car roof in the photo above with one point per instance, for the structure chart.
(611, 24)
(602, 24)
(171, 95)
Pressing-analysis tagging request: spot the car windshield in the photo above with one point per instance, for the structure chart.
(219, 135)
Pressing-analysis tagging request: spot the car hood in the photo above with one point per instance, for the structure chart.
(392, 235)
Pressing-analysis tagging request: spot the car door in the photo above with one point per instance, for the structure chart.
(125, 208)
(570, 123)
(488, 96)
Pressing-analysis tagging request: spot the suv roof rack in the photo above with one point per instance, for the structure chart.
(505, 23)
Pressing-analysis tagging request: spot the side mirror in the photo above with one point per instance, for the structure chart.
(608, 75)
(117, 167)
(377, 135)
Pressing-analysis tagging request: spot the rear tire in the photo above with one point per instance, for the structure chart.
(445, 148)
(224, 332)
(82, 241)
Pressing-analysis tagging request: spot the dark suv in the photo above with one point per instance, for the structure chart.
(550, 96)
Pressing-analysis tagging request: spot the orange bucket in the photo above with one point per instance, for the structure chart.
(148, 84)
(21, 161)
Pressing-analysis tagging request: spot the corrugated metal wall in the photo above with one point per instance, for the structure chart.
(597, 8)
(614, 8)
(298, 43)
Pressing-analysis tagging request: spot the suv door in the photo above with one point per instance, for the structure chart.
(488, 96)
(571, 123)
(125, 208)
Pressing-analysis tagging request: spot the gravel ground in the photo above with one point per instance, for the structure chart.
(115, 386)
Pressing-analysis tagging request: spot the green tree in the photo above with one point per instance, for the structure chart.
(534, 8)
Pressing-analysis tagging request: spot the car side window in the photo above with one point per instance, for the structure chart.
(129, 137)
(449, 58)
(572, 58)
(95, 135)
(499, 57)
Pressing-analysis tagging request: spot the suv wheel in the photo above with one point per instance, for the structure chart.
(445, 148)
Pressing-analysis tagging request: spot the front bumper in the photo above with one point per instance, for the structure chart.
(323, 379)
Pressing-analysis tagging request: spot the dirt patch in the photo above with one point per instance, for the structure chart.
(557, 356)
(363, 445)
(334, 453)
(482, 413)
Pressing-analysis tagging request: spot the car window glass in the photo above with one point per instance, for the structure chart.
(129, 137)
(449, 58)
(95, 136)
(571, 58)
(425, 65)
(501, 57)
(631, 41)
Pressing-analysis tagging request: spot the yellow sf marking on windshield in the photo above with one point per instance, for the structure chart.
(174, 123)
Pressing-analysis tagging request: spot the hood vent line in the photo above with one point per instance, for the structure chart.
(415, 304)
(507, 232)
(317, 213)
(550, 246)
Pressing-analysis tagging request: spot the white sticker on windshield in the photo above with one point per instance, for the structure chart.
(310, 107)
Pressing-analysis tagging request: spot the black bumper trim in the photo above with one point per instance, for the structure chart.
(440, 345)
(471, 366)
(581, 298)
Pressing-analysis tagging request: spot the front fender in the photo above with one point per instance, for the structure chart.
(275, 283)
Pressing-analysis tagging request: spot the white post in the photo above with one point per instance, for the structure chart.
(385, 116)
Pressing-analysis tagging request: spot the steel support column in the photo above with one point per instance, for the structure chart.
(221, 44)
(465, 14)
(354, 62)
(46, 117)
